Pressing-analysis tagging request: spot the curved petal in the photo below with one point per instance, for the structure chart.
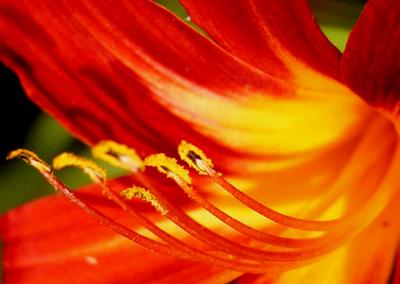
(52, 238)
(47, 47)
(134, 73)
(371, 61)
(267, 33)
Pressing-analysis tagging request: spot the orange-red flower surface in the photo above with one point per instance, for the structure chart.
(291, 122)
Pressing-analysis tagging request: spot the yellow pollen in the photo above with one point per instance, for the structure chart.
(31, 159)
(194, 157)
(95, 172)
(118, 155)
(145, 195)
(168, 166)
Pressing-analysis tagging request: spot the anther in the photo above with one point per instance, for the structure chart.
(95, 172)
(118, 155)
(195, 158)
(169, 167)
(31, 159)
(145, 195)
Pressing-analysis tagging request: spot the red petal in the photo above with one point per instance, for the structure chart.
(52, 239)
(97, 67)
(262, 32)
(126, 70)
(371, 61)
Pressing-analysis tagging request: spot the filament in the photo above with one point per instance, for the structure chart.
(179, 250)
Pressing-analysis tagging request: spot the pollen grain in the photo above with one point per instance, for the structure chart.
(195, 157)
(95, 172)
(145, 195)
(118, 155)
(168, 166)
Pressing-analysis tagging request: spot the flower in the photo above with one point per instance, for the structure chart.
(273, 104)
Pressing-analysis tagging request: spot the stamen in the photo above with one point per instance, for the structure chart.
(144, 194)
(195, 158)
(30, 158)
(118, 155)
(95, 172)
(224, 252)
(178, 217)
(168, 166)
(179, 250)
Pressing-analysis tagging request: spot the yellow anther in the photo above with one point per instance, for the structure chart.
(168, 166)
(31, 159)
(118, 155)
(195, 158)
(95, 172)
(143, 194)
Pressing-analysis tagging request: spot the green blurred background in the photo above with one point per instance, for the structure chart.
(24, 125)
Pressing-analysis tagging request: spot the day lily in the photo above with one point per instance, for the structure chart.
(293, 146)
